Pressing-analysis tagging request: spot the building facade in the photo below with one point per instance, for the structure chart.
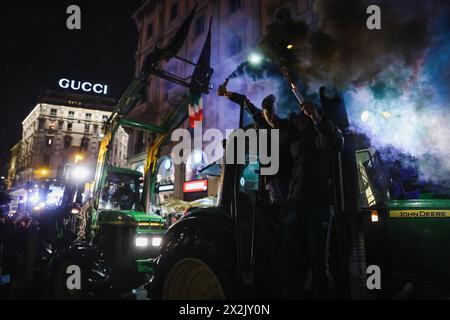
(236, 28)
(61, 130)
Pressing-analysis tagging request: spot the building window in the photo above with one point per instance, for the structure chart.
(200, 25)
(53, 112)
(140, 144)
(84, 144)
(69, 126)
(166, 171)
(67, 142)
(144, 97)
(41, 123)
(149, 30)
(49, 141)
(235, 45)
(71, 114)
(174, 11)
(234, 5)
(87, 127)
(88, 116)
(46, 160)
(283, 15)
(60, 124)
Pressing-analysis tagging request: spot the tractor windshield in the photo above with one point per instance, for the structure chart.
(372, 185)
(380, 181)
(122, 190)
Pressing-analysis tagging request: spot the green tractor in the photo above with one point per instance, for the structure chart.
(232, 250)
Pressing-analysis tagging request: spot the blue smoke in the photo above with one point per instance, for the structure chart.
(406, 109)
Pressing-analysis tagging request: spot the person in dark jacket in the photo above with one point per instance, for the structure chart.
(306, 225)
(265, 118)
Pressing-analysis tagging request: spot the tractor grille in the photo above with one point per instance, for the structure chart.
(150, 225)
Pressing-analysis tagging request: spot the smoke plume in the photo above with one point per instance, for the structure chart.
(396, 81)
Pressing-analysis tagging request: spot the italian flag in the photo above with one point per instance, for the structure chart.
(195, 109)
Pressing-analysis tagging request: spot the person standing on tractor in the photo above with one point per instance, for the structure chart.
(266, 118)
(309, 200)
(307, 143)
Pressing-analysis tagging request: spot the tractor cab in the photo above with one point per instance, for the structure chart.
(122, 190)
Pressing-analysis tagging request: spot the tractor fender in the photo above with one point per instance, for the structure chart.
(201, 218)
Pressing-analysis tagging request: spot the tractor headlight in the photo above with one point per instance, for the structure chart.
(156, 241)
(141, 242)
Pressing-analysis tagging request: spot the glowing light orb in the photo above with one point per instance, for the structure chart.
(197, 157)
(386, 114)
(80, 173)
(255, 58)
(168, 164)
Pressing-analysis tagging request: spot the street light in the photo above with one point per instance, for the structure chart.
(78, 158)
(42, 172)
(80, 173)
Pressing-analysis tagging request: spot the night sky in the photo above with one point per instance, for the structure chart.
(37, 49)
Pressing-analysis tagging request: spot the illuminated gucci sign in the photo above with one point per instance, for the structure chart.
(83, 86)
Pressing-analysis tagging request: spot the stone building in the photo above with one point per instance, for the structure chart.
(61, 130)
